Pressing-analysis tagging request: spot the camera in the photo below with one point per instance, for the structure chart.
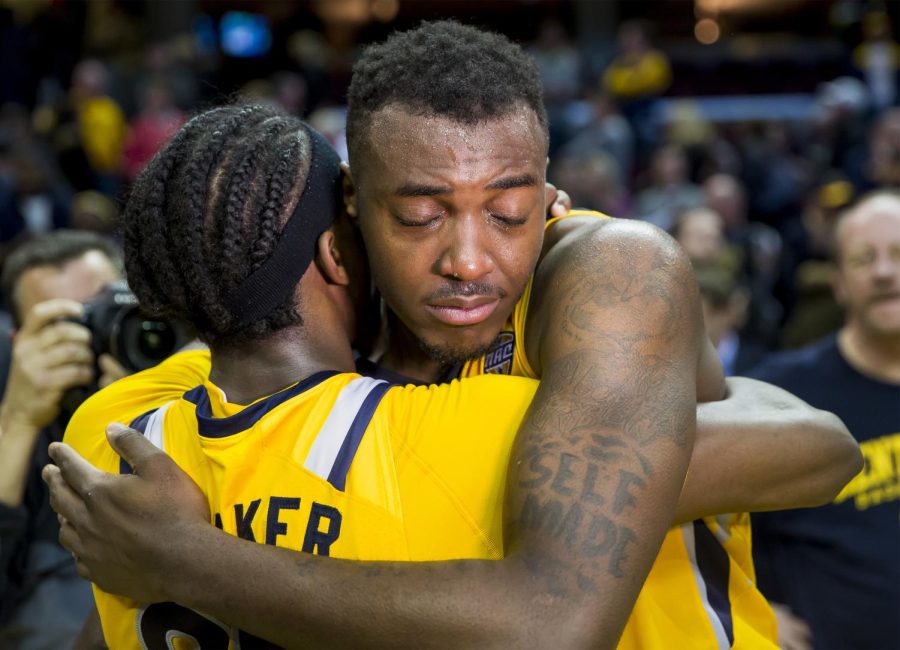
(119, 327)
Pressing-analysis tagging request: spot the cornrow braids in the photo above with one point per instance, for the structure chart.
(443, 68)
(208, 210)
(234, 190)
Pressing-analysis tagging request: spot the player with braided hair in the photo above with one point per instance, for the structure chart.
(190, 238)
(298, 430)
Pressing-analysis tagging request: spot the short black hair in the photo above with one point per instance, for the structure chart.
(443, 68)
(208, 211)
(54, 249)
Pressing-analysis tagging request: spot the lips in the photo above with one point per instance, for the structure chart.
(464, 311)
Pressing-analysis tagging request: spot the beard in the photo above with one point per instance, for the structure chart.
(449, 356)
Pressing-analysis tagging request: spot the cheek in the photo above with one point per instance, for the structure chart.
(519, 257)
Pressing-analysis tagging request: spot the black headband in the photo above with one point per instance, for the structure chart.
(271, 284)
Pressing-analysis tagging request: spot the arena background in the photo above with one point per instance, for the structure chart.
(768, 112)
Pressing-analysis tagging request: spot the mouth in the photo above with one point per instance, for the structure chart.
(884, 298)
(464, 311)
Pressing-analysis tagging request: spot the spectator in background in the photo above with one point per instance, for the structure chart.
(701, 233)
(724, 312)
(151, 128)
(291, 92)
(878, 59)
(758, 248)
(559, 66)
(836, 135)
(670, 190)
(90, 132)
(812, 311)
(43, 602)
(636, 77)
(31, 203)
(593, 181)
(775, 175)
(883, 168)
(95, 212)
(607, 131)
(837, 567)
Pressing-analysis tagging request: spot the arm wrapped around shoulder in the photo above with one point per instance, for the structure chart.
(763, 448)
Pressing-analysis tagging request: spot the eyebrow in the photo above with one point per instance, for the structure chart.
(416, 189)
(411, 190)
(512, 182)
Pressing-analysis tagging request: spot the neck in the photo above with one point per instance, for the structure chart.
(404, 356)
(878, 357)
(255, 369)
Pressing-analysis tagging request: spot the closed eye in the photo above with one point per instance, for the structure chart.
(508, 220)
(416, 223)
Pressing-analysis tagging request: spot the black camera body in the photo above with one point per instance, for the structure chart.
(119, 327)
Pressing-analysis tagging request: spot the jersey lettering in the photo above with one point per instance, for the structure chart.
(323, 525)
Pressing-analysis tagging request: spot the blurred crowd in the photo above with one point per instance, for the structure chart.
(752, 201)
(753, 196)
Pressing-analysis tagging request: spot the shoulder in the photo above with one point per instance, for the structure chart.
(607, 248)
(615, 279)
(132, 396)
(797, 365)
(465, 396)
(477, 406)
(585, 229)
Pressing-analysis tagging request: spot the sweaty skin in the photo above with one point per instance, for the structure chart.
(602, 343)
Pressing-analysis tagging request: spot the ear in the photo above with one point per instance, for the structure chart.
(349, 190)
(330, 261)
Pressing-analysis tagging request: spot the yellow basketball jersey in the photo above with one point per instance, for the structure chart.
(337, 464)
(701, 591)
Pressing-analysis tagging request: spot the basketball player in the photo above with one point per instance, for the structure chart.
(274, 458)
(603, 343)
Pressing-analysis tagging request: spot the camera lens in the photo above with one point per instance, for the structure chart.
(144, 342)
(156, 340)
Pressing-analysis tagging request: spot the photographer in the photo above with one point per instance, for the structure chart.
(42, 600)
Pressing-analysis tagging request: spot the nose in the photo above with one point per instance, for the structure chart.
(466, 255)
(886, 266)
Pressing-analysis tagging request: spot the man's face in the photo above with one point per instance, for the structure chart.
(79, 279)
(868, 282)
(453, 219)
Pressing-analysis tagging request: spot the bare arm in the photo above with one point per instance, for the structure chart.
(581, 538)
(710, 374)
(762, 448)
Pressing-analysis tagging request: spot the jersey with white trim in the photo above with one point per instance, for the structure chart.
(701, 591)
(337, 464)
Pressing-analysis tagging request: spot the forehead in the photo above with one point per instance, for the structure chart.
(402, 144)
(78, 279)
(875, 224)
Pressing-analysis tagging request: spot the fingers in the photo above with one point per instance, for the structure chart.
(63, 499)
(64, 332)
(75, 472)
(132, 446)
(562, 205)
(65, 354)
(70, 540)
(49, 311)
(65, 377)
(110, 370)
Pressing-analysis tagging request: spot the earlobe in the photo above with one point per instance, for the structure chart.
(330, 261)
